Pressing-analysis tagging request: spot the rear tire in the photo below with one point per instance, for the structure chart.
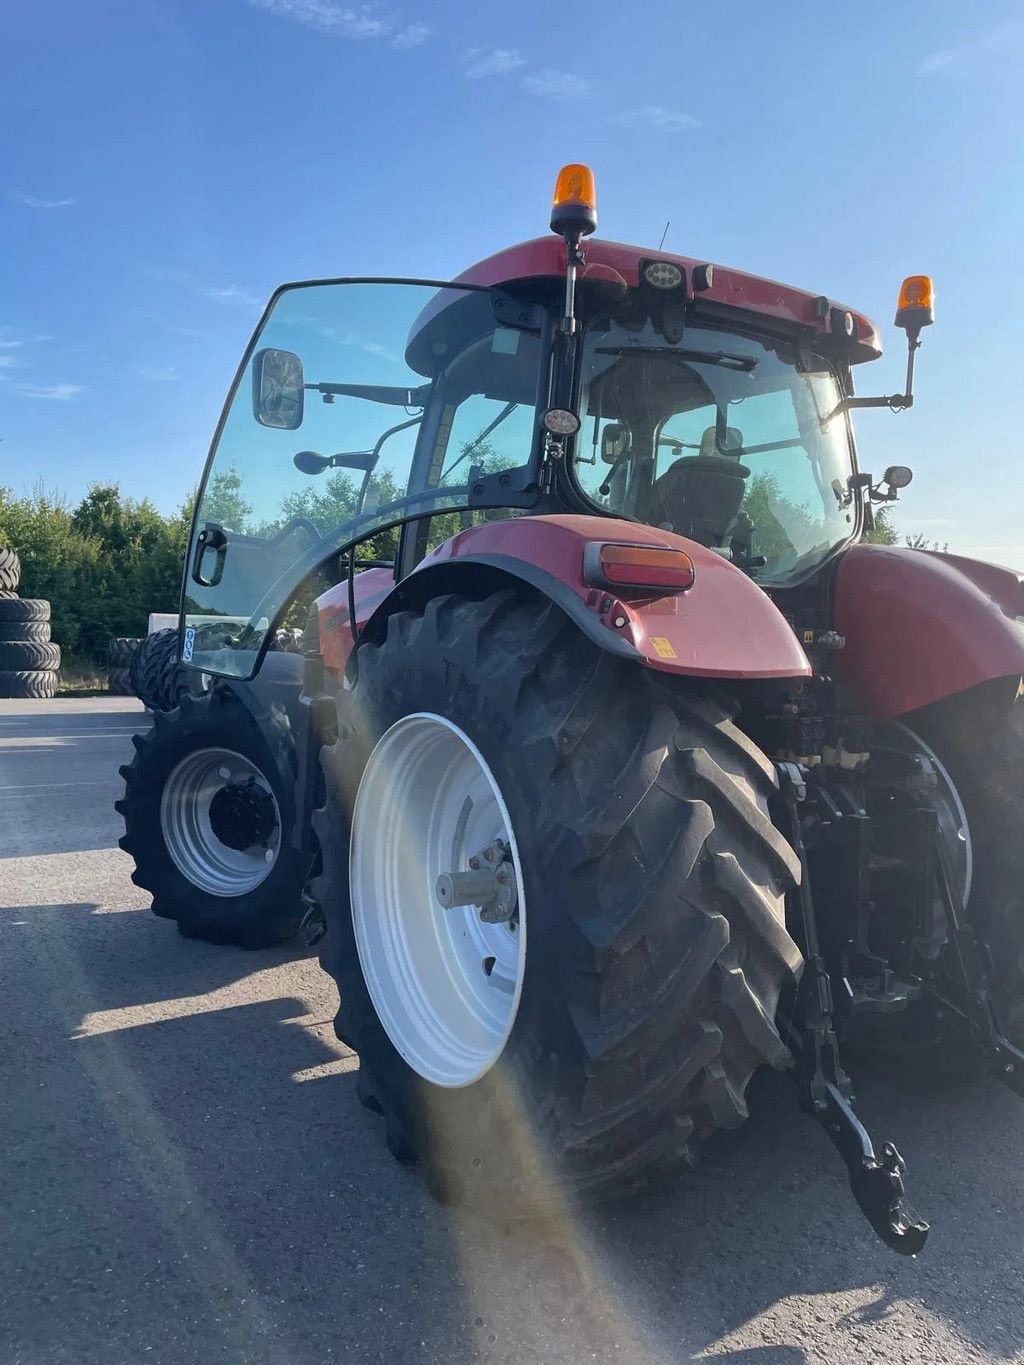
(654, 906)
(22, 683)
(178, 856)
(979, 736)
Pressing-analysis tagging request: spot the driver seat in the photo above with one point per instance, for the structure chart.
(699, 496)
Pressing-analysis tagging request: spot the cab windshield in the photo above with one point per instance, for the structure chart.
(720, 437)
(360, 404)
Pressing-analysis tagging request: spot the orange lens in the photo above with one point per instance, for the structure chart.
(916, 292)
(643, 566)
(575, 185)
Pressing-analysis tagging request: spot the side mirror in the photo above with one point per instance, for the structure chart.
(614, 442)
(277, 389)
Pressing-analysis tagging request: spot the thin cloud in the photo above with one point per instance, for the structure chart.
(491, 61)
(556, 85)
(58, 392)
(10, 361)
(32, 202)
(936, 63)
(660, 120)
(160, 374)
(360, 23)
(9, 343)
(949, 61)
(231, 293)
(411, 36)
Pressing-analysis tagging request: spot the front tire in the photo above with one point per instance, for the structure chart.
(209, 814)
(652, 887)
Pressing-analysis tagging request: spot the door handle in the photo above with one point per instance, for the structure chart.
(211, 537)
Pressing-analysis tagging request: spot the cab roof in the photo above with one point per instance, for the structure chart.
(616, 263)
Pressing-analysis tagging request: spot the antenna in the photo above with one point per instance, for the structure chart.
(664, 234)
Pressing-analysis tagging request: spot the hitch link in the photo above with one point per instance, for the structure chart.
(825, 1090)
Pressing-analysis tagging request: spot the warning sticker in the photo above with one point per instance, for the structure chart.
(190, 640)
(663, 647)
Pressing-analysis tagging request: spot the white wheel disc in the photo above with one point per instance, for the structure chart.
(190, 827)
(445, 985)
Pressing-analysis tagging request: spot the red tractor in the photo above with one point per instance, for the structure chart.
(620, 765)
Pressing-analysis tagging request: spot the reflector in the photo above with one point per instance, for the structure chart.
(638, 566)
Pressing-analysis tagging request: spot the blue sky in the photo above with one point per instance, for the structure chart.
(165, 163)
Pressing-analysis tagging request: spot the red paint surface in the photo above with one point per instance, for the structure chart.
(620, 264)
(722, 627)
(371, 588)
(920, 627)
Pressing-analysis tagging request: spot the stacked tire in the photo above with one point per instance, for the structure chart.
(29, 661)
(120, 653)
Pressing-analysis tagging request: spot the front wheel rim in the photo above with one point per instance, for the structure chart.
(445, 985)
(190, 837)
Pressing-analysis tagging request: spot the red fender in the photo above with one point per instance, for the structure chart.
(922, 626)
(724, 626)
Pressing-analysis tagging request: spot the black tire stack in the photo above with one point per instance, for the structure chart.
(120, 653)
(29, 661)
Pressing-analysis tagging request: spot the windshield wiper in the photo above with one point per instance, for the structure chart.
(467, 450)
(727, 359)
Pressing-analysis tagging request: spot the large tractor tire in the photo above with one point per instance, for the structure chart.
(10, 569)
(979, 738)
(23, 609)
(37, 632)
(156, 673)
(581, 1045)
(209, 812)
(120, 650)
(40, 685)
(28, 654)
(119, 682)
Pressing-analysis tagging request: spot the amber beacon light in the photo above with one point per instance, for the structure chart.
(574, 206)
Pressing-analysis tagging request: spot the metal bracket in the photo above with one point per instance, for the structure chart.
(825, 1089)
(976, 1009)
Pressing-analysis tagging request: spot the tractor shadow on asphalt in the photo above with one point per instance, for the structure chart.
(217, 1148)
(183, 1170)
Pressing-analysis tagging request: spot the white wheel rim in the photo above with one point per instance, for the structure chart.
(199, 855)
(426, 803)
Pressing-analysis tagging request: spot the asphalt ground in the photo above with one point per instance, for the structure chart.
(186, 1175)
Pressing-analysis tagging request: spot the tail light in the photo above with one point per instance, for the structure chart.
(649, 567)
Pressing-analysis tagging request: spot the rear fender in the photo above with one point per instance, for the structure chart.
(920, 627)
(722, 627)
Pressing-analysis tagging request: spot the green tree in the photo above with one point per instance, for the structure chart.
(882, 531)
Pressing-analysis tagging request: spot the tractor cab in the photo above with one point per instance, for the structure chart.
(653, 390)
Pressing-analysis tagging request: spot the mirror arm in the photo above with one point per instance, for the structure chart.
(375, 393)
(895, 402)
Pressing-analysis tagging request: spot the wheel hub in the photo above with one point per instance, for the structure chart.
(243, 815)
(220, 822)
(489, 883)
